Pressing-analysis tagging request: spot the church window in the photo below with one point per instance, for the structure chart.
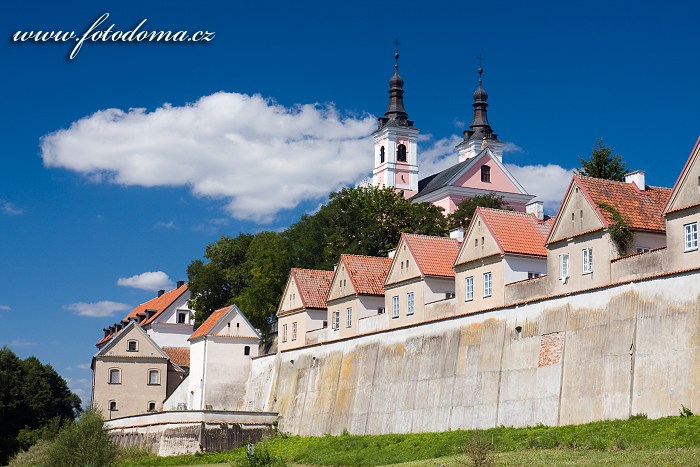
(401, 153)
(485, 173)
(381, 155)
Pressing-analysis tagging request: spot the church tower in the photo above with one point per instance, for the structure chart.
(480, 134)
(395, 143)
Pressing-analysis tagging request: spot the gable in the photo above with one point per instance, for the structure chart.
(499, 179)
(686, 191)
(342, 284)
(118, 346)
(169, 314)
(291, 298)
(478, 242)
(233, 323)
(403, 265)
(585, 216)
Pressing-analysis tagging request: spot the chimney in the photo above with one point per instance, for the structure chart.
(636, 177)
(391, 253)
(180, 284)
(536, 208)
(161, 292)
(457, 234)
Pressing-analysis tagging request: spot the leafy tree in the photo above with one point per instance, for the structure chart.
(603, 163)
(83, 443)
(465, 209)
(34, 401)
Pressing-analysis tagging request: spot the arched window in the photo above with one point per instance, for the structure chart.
(246, 350)
(153, 377)
(381, 155)
(485, 173)
(115, 376)
(401, 153)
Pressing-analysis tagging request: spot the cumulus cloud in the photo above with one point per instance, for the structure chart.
(436, 156)
(10, 209)
(548, 182)
(97, 309)
(154, 280)
(512, 147)
(5, 308)
(259, 156)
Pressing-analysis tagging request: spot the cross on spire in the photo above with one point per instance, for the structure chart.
(396, 44)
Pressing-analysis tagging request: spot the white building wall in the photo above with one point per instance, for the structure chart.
(516, 268)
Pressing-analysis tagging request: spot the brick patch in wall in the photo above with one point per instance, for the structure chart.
(551, 348)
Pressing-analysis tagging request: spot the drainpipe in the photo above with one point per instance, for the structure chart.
(202, 383)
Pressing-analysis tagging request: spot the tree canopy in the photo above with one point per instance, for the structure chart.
(465, 209)
(603, 163)
(251, 270)
(32, 397)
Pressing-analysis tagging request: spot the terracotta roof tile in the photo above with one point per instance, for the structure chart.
(367, 273)
(313, 286)
(434, 256)
(209, 323)
(516, 232)
(178, 355)
(641, 209)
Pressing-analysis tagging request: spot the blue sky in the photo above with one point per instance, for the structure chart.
(249, 130)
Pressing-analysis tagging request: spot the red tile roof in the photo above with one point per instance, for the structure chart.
(516, 232)
(313, 286)
(641, 209)
(210, 322)
(367, 273)
(434, 256)
(178, 355)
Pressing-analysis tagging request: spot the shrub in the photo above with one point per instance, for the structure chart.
(685, 411)
(479, 450)
(260, 456)
(83, 443)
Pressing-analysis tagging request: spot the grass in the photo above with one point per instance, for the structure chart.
(666, 441)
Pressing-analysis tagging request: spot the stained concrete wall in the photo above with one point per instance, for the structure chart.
(632, 348)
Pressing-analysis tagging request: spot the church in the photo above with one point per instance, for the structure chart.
(478, 168)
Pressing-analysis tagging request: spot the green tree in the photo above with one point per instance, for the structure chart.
(603, 163)
(83, 443)
(465, 209)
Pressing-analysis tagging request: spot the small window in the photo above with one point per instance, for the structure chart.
(476, 243)
(581, 214)
(486, 174)
(487, 284)
(563, 266)
(587, 260)
(691, 236)
(401, 153)
(449, 295)
(112, 406)
(115, 376)
(381, 155)
(348, 318)
(246, 349)
(153, 377)
(395, 306)
(181, 318)
(469, 287)
(284, 333)
(152, 406)
(410, 302)
(380, 310)
(294, 331)
(532, 275)
(336, 320)
(132, 346)
(572, 216)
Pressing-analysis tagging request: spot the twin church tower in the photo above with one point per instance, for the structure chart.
(479, 169)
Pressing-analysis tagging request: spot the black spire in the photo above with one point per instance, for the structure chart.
(395, 114)
(480, 128)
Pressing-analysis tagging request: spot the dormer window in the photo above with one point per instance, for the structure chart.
(401, 153)
(132, 346)
(486, 174)
(181, 318)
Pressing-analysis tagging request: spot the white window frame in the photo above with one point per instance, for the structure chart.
(410, 303)
(469, 289)
(294, 331)
(284, 333)
(336, 320)
(128, 345)
(563, 266)
(153, 371)
(182, 314)
(395, 306)
(488, 284)
(348, 317)
(116, 371)
(587, 260)
(690, 236)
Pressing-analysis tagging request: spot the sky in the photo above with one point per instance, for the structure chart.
(122, 160)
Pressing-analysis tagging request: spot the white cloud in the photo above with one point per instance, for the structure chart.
(19, 343)
(165, 225)
(548, 182)
(440, 155)
(210, 225)
(97, 309)
(260, 156)
(512, 147)
(10, 209)
(5, 308)
(154, 280)
(83, 366)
